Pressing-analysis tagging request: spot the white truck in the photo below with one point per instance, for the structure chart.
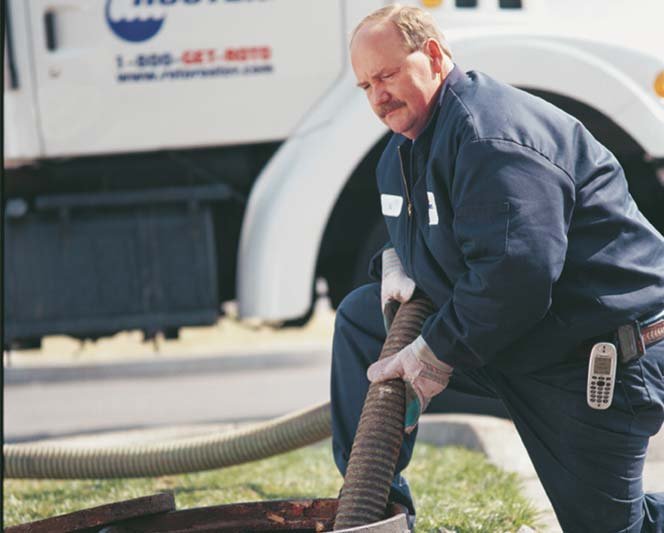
(162, 157)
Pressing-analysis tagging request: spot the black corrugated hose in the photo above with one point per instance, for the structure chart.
(379, 435)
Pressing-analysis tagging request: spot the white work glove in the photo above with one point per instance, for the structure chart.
(424, 375)
(395, 285)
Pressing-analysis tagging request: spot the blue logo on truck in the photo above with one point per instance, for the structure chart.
(132, 28)
(139, 20)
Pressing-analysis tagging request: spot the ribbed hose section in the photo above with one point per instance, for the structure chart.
(184, 455)
(379, 435)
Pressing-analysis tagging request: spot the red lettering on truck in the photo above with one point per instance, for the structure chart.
(252, 53)
(190, 57)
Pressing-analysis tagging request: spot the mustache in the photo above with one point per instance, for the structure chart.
(389, 107)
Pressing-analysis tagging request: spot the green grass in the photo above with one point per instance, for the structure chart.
(453, 488)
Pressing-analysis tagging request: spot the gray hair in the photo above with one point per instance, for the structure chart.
(415, 25)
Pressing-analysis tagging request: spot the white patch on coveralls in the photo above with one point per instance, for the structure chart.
(433, 212)
(391, 204)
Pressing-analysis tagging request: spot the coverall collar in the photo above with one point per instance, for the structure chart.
(452, 75)
(419, 148)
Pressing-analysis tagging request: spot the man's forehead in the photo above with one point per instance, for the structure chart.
(377, 47)
(376, 35)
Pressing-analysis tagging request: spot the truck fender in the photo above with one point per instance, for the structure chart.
(616, 81)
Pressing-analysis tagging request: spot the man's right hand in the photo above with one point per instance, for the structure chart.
(395, 285)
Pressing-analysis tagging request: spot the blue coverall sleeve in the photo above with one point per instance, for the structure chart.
(512, 209)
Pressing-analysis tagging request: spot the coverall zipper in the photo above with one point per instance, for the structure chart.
(408, 260)
(405, 184)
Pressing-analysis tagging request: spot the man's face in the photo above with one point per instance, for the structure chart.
(400, 85)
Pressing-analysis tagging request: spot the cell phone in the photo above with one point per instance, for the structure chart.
(601, 375)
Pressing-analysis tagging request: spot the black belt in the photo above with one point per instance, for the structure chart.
(631, 340)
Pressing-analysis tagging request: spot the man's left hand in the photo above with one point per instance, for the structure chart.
(424, 374)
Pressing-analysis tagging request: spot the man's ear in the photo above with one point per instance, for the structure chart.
(433, 49)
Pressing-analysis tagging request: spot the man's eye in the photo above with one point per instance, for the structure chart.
(388, 75)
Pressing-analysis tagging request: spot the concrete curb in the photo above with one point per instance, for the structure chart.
(496, 438)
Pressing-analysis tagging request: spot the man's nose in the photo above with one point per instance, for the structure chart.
(380, 96)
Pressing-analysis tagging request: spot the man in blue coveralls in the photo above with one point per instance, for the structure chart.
(518, 225)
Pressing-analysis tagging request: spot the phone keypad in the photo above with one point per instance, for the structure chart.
(600, 391)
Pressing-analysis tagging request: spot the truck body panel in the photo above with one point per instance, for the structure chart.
(205, 73)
